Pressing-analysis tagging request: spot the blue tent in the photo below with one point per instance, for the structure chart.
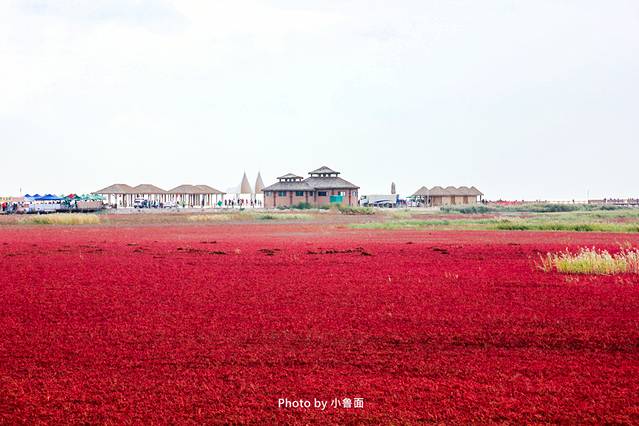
(49, 197)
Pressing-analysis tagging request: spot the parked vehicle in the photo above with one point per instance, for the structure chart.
(379, 200)
(140, 203)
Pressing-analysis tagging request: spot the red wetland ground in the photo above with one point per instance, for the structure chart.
(214, 323)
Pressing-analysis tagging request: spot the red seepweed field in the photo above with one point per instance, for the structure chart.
(214, 324)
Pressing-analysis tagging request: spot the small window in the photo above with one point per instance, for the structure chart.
(354, 193)
(299, 193)
(321, 193)
(282, 193)
(342, 193)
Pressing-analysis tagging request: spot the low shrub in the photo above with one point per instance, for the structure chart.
(576, 227)
(402, 224)
(302, 206)
(555, 208)
(278, 216)
(214, 217)
(528, 208)
(468, 209)
(355, 210)
(512, 226)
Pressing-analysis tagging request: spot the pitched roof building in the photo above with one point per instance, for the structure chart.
(438, 196)
(116, 188)
(146, 188)
(122, 195)
(322, 187)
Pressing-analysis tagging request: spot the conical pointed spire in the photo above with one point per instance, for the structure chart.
(245, 186)
(259, 184)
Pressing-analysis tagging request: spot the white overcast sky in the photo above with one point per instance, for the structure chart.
(534, 99)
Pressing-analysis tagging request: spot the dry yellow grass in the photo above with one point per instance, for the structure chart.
(217, 217)
(592, 261)
(221, 217)
(61, 219)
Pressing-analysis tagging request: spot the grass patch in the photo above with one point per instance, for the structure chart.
(401, 213)
(591, 261)
(535, 223)
(557, 226)
(401, 224)
(247, 215)
(302, 206)
(275, 216)
(216, 217)
(61, 219)
(529, 208)
(469, 209)
(355, 210)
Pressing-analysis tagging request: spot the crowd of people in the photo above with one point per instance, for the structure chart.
(9, 207)
(242, 203)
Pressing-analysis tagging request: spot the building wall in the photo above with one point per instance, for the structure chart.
(445, 200)
(268, 200)
(465, 199)
(350, 197)
(273, 199)
(438, 200)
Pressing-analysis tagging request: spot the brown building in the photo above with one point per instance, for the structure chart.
(321, 188)
(438, 196)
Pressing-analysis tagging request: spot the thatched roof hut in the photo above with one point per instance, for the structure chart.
(438, 196)
(117, 188)
(421, 192)
(475, 191)
(449, 191)
(438, 191)
(146, 188)
(187, 189)
(209, 189)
